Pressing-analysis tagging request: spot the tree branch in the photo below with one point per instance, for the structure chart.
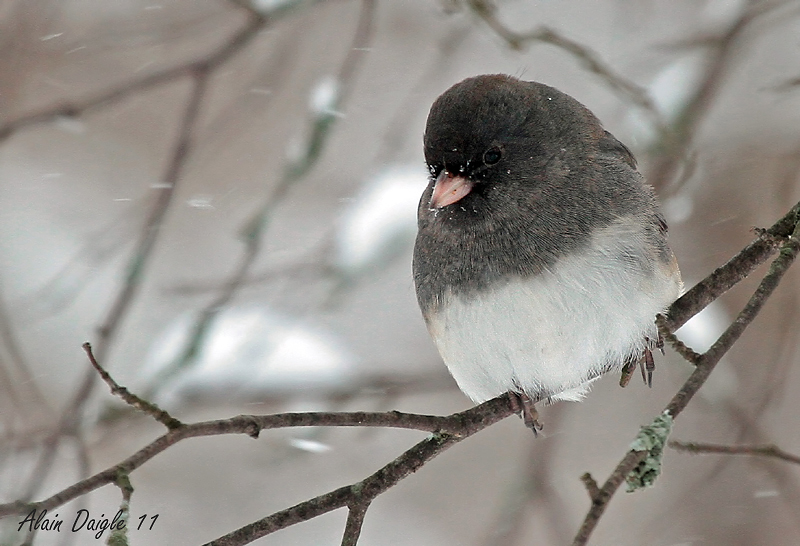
(446, 431)
(199, 71)
(705, 365)
(769, 450)
(454, 427)
(591, 486)
(355, 520)
(734, 271)
(255, 229)
(406, 464)
(131, 399)
(591, 61)
(116, 94)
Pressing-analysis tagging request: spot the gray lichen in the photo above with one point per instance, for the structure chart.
(652, 439)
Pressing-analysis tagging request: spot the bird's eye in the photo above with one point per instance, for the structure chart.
(492, 155)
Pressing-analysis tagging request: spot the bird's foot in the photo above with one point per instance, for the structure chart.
(627, 371)
(647, 365)
(660, 344)
(522, 404)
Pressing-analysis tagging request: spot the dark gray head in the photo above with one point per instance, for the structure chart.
(526, 121)
(521, 174)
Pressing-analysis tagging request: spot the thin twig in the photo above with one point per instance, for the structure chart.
(788, 252)
(603, 496)
(125, 90)
(675, 143)
(119, 527)
(256, 228)
(131, 399)
(200, 72)
(455, 427)
(677, 345)
(486, 10)
(768, 450)
(382, 480)
(355, 520)
(735, 270)
(591, 486)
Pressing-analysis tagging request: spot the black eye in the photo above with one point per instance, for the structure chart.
(492, 156)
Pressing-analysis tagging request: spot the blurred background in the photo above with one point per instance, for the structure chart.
(220, 195)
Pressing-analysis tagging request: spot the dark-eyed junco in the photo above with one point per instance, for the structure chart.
(541, 259)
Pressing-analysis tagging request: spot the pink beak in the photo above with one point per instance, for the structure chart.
(448, 189)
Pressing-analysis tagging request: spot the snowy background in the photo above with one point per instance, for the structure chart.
(324, 315)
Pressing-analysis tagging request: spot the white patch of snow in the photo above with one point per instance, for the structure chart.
(311, 446)
(203, 202)
(767, 493)
(325, 97)
(70, 125)
(703, 329)
(675, 84)
(678, 208)
(267, 7)
(699, 333)
(247, 351)
(381, 219)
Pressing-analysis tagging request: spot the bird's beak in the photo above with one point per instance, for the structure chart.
(448, 189)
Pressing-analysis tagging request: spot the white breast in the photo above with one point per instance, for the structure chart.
(550, 334)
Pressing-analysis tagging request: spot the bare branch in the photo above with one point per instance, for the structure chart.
(131, 399)
(119, 534)
(369, 488)
(677, 345)
(591, 486)
(679, 138)
(453, 428)
(200, 72)
(705, 365)
(446, 431)
(736, 269)
(768, 450)
(629, 90)
(255, 229)
(710, 358)
(603, 496)
(123, 91)
(355, 520)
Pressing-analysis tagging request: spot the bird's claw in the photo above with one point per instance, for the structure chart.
(522, 404)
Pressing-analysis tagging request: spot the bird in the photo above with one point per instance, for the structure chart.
(541, 258)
